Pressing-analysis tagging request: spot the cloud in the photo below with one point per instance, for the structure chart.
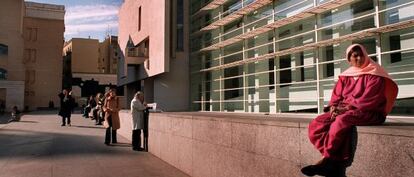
(94, 27)
(91, 11)
(94, 20)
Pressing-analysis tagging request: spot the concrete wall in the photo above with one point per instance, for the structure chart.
(171, 93)
(219, 144)
(14, 94)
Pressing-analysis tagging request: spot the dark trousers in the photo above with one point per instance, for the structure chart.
(64, 120)
(136, 139)
(108, 133)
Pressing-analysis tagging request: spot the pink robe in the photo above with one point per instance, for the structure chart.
(366, 96)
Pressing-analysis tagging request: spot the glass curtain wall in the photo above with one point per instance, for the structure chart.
(262, 78)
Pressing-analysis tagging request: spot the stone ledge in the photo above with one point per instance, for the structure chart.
(231, 144)
(394, 126)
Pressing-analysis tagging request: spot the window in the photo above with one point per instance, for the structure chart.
(139, 19)
(30, 77)
(285, 75)
(329, 57)
(4, 49)
(180, 25)
(31, 34)
(30, 55)
(395, 44)
(3, 74)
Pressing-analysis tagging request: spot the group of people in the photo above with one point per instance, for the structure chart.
(106, 108)
(94, 108)
(363, 95)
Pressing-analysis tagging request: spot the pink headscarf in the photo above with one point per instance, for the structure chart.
(373, 68)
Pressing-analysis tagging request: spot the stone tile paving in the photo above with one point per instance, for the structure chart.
(38, 146)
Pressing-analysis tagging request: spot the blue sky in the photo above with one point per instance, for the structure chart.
(84, 18)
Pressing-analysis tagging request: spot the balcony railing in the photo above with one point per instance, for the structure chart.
(279, 22)
(236, 12)
(136, 55)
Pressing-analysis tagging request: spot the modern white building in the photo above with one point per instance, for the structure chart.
(278, 56)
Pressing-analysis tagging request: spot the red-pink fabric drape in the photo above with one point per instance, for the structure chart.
(369, 92)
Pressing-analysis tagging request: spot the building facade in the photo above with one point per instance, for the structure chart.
(43, 28)
(84, 55)
(154, 44)
(30, 44)
(90, 66)
(108, 55)
(285, 56)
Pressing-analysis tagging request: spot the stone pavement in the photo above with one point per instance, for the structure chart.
(38, 146)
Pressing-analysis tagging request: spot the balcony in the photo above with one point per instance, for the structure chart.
(237, 12)
(280, 22)
(136, 55)
(213, 4)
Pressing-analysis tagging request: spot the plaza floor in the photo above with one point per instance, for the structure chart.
(38, 146)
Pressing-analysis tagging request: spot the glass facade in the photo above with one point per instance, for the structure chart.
(287, 55)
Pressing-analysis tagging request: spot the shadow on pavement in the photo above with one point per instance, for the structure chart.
(4, 118)
(122, 145)
(82, 126)
(25, 143)
(28, 121)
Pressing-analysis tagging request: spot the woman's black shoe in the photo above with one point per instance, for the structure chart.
(312, 170)
(138, 149)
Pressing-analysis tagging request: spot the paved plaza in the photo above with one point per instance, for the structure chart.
(38, 146)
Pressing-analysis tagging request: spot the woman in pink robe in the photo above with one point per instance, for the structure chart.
(363, 95)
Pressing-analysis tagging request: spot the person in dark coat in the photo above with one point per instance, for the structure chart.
(66, 106)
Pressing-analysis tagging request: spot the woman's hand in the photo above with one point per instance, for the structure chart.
(334, 112)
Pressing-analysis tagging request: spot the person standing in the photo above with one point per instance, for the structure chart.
(137, 110)
(111, 109)
(66, 106)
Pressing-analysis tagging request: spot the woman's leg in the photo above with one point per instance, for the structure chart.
(338, 142)
(114, 140)
(108, 132)
(318, 131)
(134, 139)
(63, 121)
(69, 120)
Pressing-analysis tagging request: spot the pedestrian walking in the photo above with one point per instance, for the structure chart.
(111, 109)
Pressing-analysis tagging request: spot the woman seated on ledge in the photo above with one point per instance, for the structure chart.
(363, 95)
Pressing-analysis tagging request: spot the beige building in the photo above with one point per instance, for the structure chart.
(84, 55)
(90, 66)
(108, 55)
(30, 43)
(154, 41)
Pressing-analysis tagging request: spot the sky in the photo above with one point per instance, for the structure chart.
(89, 18)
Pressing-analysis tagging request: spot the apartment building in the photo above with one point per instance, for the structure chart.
(90, 66)
(30, 53)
